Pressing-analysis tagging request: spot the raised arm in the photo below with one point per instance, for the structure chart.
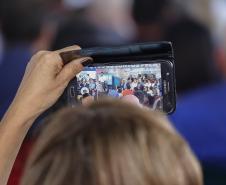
(43, 83)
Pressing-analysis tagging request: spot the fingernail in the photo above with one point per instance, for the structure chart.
(68, 56)
(87, 62)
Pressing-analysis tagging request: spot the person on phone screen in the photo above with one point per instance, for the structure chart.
(127, 91)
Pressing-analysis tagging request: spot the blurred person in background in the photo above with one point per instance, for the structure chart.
(101, 23)
(194, 54)
(152, 18)
(24, 32)
(199, 10)
(113, 17)
(70, 15)
(201, 115)
(69, 33)
(165, 20)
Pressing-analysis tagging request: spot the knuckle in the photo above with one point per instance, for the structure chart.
(47, 57)
(78, 68)
(77, 47)
(40, 53)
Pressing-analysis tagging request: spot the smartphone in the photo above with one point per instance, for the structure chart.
(145, 71)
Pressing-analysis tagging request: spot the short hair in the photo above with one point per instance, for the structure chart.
(69, 33)
(114, 143)
(21, 20)
(193, 47)
(148, 11)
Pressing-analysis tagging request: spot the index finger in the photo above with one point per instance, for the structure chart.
(69, 53)
(69, 48)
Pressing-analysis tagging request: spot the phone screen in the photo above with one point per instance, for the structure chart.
(144, 81)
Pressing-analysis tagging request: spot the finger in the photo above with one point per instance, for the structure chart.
(71, 69)
(40, 54)
(36, 57)
(70, 48)
(52, 58)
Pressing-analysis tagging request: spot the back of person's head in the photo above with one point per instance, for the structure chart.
(77, 29)
(150, 17)
(113, 143)
(193, 47)
(21, 20)
(148, 11)
(128, 86)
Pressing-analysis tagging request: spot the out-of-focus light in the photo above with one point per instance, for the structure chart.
(219, 15)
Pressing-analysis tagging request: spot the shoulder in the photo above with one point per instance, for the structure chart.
(201, 105)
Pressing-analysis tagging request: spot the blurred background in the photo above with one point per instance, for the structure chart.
(197, 29)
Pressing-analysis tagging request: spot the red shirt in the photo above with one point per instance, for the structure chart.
(127, 92)
(19, 164)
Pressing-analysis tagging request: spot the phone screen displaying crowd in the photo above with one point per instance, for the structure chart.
(141, 80)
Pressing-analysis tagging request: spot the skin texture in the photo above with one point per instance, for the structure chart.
(45, 73)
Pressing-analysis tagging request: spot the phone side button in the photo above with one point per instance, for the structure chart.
(72, 91)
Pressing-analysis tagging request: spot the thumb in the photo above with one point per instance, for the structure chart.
(71, 69)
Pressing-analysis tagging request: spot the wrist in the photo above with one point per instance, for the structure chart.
(19, 116)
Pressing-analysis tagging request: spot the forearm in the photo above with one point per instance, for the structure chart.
(13, 129)
(43, 83)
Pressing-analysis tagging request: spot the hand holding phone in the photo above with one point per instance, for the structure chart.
(143, 70)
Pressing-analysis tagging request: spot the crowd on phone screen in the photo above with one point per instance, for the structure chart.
(146, 87)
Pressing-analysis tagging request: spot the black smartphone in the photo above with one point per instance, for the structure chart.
(144, 71)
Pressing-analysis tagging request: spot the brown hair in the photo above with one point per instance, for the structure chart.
(111, 143)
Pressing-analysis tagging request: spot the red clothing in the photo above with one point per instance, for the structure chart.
(127, 92)
(19, 164)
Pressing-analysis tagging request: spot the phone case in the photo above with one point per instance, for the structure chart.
(151, 50)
